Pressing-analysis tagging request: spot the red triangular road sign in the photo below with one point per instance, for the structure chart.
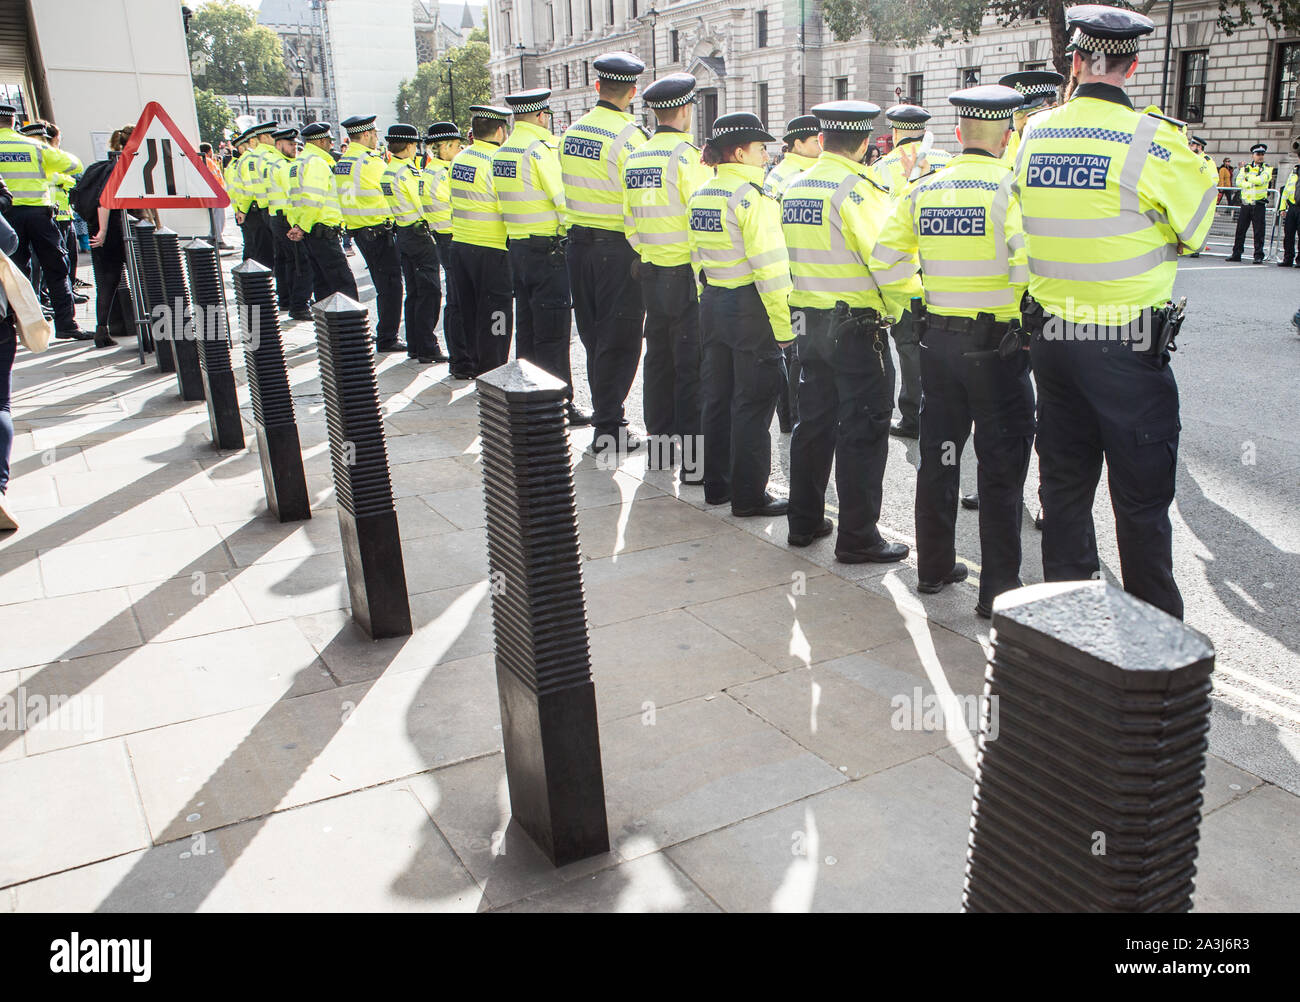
(159, 169)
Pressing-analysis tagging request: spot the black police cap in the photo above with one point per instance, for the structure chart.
(315, 130)
(357, 124)
(525, 102)
(988, 101)
(1098, 28)
(263, 128)
(442, 131)
(672, 91)
(905, 117)
(620, 66)
(801, 127)
(289, 134)
(492, 111)
(846, 116)
(741, 127)
(402, 133)
(1259, 148)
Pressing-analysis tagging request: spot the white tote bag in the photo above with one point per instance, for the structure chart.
(33, 329)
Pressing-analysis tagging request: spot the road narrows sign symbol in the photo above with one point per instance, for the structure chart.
(159, 169)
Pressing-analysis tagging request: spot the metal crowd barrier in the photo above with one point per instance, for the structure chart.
(1224, 228)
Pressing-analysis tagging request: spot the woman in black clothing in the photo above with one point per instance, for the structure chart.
(108, 256)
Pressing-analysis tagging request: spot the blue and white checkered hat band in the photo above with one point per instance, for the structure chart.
(491, 113)
(1111, 46)
(834, 125)
(675, 102)
(907, 126)
(360, 127)
(624, 77)
(1035, 90)
(965, 111)
(528, 109)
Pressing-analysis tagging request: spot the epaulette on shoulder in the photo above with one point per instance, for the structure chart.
(930, 173)
(1154, 112)
(642, 128)
(759, 188)
(874, 183)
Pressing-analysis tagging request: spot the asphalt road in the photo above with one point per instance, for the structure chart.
(1236, 530)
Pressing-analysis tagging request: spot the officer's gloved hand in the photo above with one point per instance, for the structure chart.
(634, 269)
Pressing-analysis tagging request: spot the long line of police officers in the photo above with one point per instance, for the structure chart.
(1050, 241)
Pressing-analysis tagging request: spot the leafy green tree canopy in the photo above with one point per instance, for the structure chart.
(223, 34)
(426, 97)
(214, 116)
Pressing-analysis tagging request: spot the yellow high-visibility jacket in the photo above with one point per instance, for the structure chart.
(314, 197)
(401, 186)
(1108, 195)
(888, 170)
(435, 195)
(780, 176)
(736, 240)
(29, 167)
(592, 155)
(962, 228)
(659, 178)
(475, 211)
(526, 176)
(359, 174)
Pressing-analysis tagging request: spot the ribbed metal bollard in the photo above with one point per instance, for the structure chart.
(278, 446)
(151, 285)
(372, 547)
(1091, 755)
(548, 700)
(185, 346)
(212, 327)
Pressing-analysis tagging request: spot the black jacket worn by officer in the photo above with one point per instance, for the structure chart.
(27, 167)
(658, 180)
(606, 297)
(293, 281)
(359, 174)
(403, 187)
(831, 215)
(1252, 182)
(962, 228)
(526, 175)
(1109, 198)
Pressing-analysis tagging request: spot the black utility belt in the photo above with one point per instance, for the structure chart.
(320, 229)
(375, 231)
(1153, 332)
(537, 241)
(591, 235)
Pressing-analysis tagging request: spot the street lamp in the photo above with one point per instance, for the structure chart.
(520, 49)
(652, 16)
(451, 91)
(303, 83)
(244, 77)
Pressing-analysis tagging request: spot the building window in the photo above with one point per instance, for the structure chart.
(505, 26)
(1033, 66)
(675, 43)
(970, 76)
(568, 10)
(586, 73)
(1191, 89)
(915, 88)
(632, 8)
(1286, 74)
(841, 88)
(566, 76)
(610, 11)
(548, 79)
(588, 15)
(760, 25)
(762, 102)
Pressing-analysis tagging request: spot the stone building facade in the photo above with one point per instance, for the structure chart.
(777, 58)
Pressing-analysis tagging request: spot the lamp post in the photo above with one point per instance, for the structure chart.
(243, 70)
(451, 91)
(303, 86)
(520, 49)
(652, 16)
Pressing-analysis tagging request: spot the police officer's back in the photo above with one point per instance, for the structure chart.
(403, 186)
(315, 215)
(1109, 197)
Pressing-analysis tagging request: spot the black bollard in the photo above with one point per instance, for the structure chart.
(548, 701)
(212, 328)
(268, 387)
(372, 547)
(151, 285)
(185, 347)
(1091, 755)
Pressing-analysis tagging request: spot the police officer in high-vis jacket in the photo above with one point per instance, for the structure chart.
(1109, 197)
(526, 174)
(803, 147)
(659, 178)
(830, 216)
(292, 269)
(359, 175)
(1252, 179)
(28, 168)
(606, 297)
(443, 141)
(316, 217)
(479, 259)
(962, 228)
(253, 209)
(1290, 217)
(1039, 90)
(402, 186)
(909, 124)
(737, 247)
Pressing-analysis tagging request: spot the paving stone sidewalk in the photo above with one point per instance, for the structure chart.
(245, 747)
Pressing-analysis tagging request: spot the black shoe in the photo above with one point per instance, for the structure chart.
(1259, 260)
(577, 416)
(74, 334)
(1038, 520)
(79, 298)
(1197, 254)
(104, 341)
(80, 284)
(303, 314)
(971, 502)
(768, 506)
(806, 538)
(1233, 258)
(621, 441)
(457, 374)
(391, 346)
(424, 359)
(983, 611)
(1284, 264)
(903, 429)
(882, 553)
(958, 573)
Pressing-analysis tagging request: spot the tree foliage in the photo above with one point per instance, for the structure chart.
(214, 116)
(426, 98)
(911, 23)
(224, 33)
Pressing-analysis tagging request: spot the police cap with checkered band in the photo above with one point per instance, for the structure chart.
(801, 127)
(622, 67)
(526, 102)
(1098, 28)
(988, 101)
(739, 127)
(1036, 87)
(846, 116)
(672, 91)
